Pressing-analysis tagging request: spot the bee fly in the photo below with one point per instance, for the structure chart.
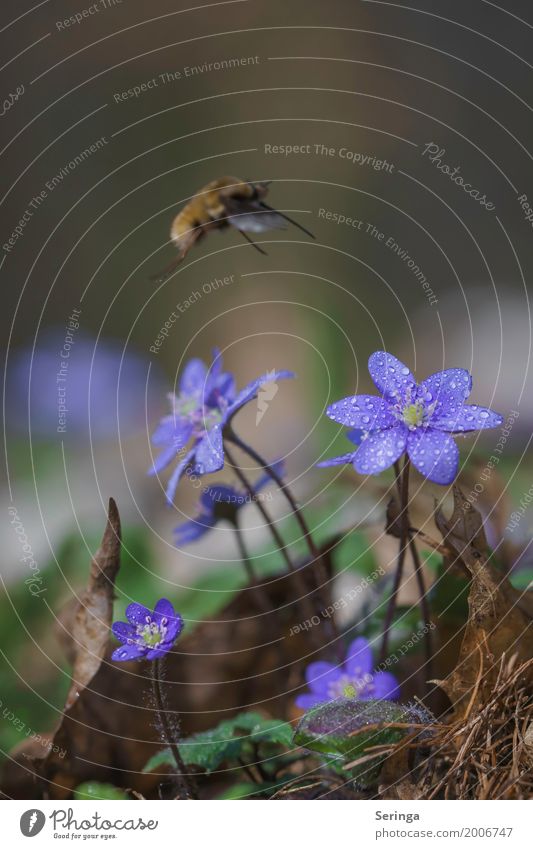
(224, 202)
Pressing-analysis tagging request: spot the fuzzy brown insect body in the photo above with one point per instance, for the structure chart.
(228, 201)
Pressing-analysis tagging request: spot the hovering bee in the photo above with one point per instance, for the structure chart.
(224, 202)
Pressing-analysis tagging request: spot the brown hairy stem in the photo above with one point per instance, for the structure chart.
(403, 485)
(170, 732)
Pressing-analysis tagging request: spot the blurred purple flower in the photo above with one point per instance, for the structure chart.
(101, 386)
(206, 401)
(409, 417)
(219, 503)
(147, 634)
(354, 679)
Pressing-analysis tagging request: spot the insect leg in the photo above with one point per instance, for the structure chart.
(166, 272)
(251, 242)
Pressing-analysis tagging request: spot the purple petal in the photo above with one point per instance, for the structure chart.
(365, 412)
(174, 629)
(447, 390)
(193, 530)
(133, 652)
(337, 461)
(219, 492)
(177, 433)
(359, 659)
(137, 613)
(172, 620)
(434, 453)
(193, 377)
(218, 384)
(155, 654)
(391, 376)
(385, 686)
(215, 369)
(163, 432)
(223, 388)
(123, 631)
(355, 436)
(320, 675)
(305, 701)
(164, 608)
(380, 450)
(172, 484)
(250, 391)
(209, 455)
(162, 460)
(469, 417)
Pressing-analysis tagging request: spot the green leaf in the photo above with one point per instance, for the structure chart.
(265, 730)
(448, 595)
(229, 741)
(99, 791)
(247, 790)
(345, 728)
(241, 790)
(356, 554)
(522, 580)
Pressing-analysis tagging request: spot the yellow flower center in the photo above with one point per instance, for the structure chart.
(413, 414)
(151, 635)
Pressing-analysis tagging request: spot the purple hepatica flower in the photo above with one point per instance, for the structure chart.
(207, 400)
(415, 418)
(147, 634)
(217, 503)
(354, 679)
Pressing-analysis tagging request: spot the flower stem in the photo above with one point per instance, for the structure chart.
(244, 555)
(252, 494)
(232, 436)
(321, 575)
(403, 485)
(424, 606)
(250, 571)
(170, 730)
(307, 607)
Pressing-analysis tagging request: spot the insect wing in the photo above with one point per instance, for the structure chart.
(251, 217)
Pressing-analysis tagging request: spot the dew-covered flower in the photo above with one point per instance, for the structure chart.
(417, 418)
(218, 503)
(147, 634)
(192, 434)
(354, 679)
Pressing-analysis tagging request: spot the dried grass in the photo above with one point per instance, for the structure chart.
(488, 752)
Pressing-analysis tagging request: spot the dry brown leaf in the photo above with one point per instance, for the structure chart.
(85, 642)
(396, 773)
(94, 614)
(499, 622)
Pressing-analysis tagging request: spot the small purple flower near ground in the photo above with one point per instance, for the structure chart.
(419, 419)
(354, 679)
(147, 634)
(217, 503)
(206, 401)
